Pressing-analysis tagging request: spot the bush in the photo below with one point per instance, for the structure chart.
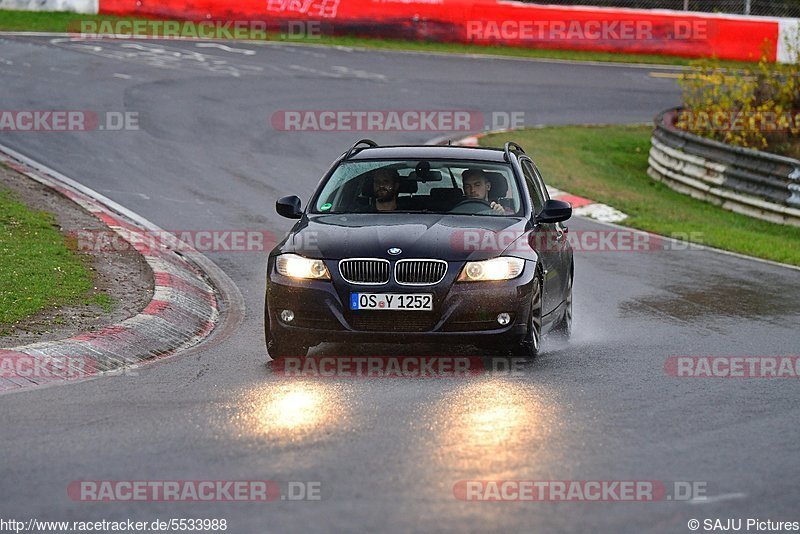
(757, 106)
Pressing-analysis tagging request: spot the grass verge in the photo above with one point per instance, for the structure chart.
(609, 164)
(37, 269)
(51, 21)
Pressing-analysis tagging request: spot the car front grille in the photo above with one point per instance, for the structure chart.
(420, 272)
(365, 271)
(386, 321)
(315, 322)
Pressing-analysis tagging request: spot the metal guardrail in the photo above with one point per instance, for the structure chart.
(751, 182)
(764, 8)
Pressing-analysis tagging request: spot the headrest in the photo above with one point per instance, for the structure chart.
(499, 185)
(408, 186)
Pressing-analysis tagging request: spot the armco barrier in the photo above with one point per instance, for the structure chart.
(751, 182)
(492, 22)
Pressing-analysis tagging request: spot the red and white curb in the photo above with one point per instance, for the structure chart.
(183, 311)
(583, 207)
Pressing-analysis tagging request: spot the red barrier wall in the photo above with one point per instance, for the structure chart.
(492, 22)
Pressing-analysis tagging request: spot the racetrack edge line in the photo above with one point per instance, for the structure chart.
(125, 345)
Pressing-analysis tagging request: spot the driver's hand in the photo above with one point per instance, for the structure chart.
(497, 207)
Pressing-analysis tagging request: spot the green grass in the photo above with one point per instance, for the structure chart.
(105, 302)
(49, 21)
(609, 164)
(37, 269)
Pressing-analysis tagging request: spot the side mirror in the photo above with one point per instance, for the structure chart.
(289, 207)
(554, 211)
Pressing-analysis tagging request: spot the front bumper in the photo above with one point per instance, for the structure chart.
(463, 312)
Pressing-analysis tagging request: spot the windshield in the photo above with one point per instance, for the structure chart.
(430, 186)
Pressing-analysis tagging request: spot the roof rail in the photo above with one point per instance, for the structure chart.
(355, 148)
(509, 147)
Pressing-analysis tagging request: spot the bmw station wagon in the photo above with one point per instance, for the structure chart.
(422, 243)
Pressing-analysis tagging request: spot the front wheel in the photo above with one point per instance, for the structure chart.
(564, 327)
(530, 345)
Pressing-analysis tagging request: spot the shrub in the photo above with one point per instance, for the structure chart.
(757, 106)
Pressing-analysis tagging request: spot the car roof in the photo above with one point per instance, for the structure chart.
(429, 152)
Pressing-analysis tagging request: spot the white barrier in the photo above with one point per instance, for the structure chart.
(76, 6)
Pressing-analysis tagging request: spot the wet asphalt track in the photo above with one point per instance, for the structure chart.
(388, 452)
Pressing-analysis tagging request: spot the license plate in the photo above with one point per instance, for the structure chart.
(391, 301)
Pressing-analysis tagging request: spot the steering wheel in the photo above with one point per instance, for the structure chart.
(476, 205)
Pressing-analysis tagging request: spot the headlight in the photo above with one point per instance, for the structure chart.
(494, 269)
(296, 266)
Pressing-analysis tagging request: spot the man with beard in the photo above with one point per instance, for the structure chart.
(385, 186)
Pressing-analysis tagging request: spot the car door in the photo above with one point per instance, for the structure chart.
(562, 239)
(548, 239)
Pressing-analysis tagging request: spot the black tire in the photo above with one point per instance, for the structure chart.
(530, 346)
(564, 327)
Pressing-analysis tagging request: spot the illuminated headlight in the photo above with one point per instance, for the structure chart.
(296, 266)
(494, 269)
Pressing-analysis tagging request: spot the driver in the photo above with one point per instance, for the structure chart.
(477, 186)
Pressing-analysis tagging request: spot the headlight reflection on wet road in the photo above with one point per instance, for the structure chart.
(292, 410)
(490, 428)
(485, 428)
(297, 409)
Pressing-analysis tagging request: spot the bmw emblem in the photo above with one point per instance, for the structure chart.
(394, 251)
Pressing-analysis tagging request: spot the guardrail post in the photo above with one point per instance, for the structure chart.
(795, 188)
